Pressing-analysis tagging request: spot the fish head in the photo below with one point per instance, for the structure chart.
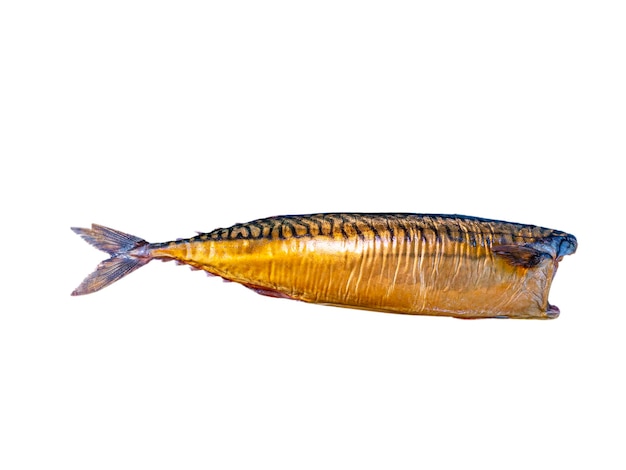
(567, 245)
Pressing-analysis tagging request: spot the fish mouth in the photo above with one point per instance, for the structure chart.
(553, 311)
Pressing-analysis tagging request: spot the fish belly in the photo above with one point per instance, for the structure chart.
(406, 275)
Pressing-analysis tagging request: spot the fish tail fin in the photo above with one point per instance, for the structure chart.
(128, 253)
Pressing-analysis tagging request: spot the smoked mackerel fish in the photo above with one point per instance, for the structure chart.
(424, 264)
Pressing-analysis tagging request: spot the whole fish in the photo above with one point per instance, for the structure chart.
(449, 265)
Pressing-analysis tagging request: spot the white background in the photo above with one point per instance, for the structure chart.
(161, 118)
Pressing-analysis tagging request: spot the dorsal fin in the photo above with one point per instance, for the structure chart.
(520, 255)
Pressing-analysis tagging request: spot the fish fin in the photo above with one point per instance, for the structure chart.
(125, 258)
(268, 292)
(108, 240)
(520, 255)
(109, 271)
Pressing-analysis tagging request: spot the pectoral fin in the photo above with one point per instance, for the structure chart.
(520, 255)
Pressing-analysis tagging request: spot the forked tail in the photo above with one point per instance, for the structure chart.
(127, 254)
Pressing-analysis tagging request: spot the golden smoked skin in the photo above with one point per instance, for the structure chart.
(404, 263)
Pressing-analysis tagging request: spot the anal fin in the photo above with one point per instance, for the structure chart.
(268, 292)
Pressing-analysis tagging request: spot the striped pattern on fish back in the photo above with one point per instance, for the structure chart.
(382, 226)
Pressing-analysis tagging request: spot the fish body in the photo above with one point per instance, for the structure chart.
(447, 265)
